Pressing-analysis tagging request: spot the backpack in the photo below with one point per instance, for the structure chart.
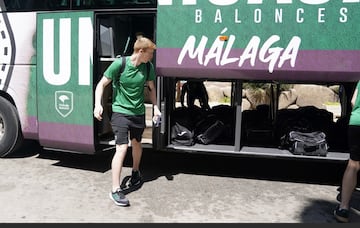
(305, 143)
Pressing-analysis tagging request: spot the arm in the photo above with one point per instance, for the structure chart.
(98, 109)
(353, 99)
(183, 92)
(204, 91)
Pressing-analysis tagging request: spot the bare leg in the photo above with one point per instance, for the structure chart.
(136, 153)
(117, 164)
(349, 183)
(178, 90)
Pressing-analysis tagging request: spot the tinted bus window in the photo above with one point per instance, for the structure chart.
(44, 5)
(34, 5)
(102, 4)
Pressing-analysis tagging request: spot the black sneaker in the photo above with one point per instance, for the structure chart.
(136, 178)
(338, 197)
(341, 215)
(119, 198)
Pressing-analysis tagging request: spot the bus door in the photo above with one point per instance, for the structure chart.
(166, 100)
(65, 80)
(115, 37)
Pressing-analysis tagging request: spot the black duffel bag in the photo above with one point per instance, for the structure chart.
(309, 143)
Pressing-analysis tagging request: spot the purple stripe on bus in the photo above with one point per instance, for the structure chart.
(30, 128)
(311, 65)
(76, 138)
(63, 136)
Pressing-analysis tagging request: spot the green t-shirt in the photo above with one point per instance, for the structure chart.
(355, 114)
(129, 92)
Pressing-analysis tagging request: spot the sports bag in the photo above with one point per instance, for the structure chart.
(309, 143)
(211, 133)
(181, 135)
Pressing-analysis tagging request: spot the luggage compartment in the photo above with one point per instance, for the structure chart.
(254, 117)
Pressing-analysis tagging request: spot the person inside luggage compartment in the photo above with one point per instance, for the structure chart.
(128, 117)
(194, 90)
(349, 180)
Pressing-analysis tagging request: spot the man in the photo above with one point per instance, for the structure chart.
(195, 90)
(349, 180)
(128, 117)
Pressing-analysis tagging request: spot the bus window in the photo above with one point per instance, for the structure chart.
(32, 5)
(106, 41)
(306, 107)
(210, 92)
(76, 4)
(118, 33)
(208, 114)
(42, 5)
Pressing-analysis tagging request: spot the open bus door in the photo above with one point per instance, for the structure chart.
(64, 81)
(165, 96)
(115, 37)
(74, 49)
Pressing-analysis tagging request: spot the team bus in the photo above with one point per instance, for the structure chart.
(267, 66)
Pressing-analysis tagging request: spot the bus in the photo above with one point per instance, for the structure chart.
(266, 66)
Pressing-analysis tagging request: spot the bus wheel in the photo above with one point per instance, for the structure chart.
(10, 130)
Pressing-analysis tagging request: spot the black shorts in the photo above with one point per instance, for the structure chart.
(354, 142)
(122, 125)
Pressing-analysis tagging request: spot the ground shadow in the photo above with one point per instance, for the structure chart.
(321, 211)
(28, 148)
(355, 198)
(157, 164)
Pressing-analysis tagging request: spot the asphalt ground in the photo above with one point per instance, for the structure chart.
(40, 186)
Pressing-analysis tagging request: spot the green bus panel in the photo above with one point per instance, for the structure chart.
(258, 39)
(65, 75)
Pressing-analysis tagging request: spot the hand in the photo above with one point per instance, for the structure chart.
(98, 110)
(157, 116)
(156, 111)
(156, 120)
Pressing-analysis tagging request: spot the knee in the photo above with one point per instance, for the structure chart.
(355, 165)
(136, 143)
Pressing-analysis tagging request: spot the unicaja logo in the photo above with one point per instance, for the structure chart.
(64, 102)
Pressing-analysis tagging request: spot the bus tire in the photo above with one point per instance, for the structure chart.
(10, 130)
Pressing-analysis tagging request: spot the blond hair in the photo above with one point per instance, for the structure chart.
(143, 43)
